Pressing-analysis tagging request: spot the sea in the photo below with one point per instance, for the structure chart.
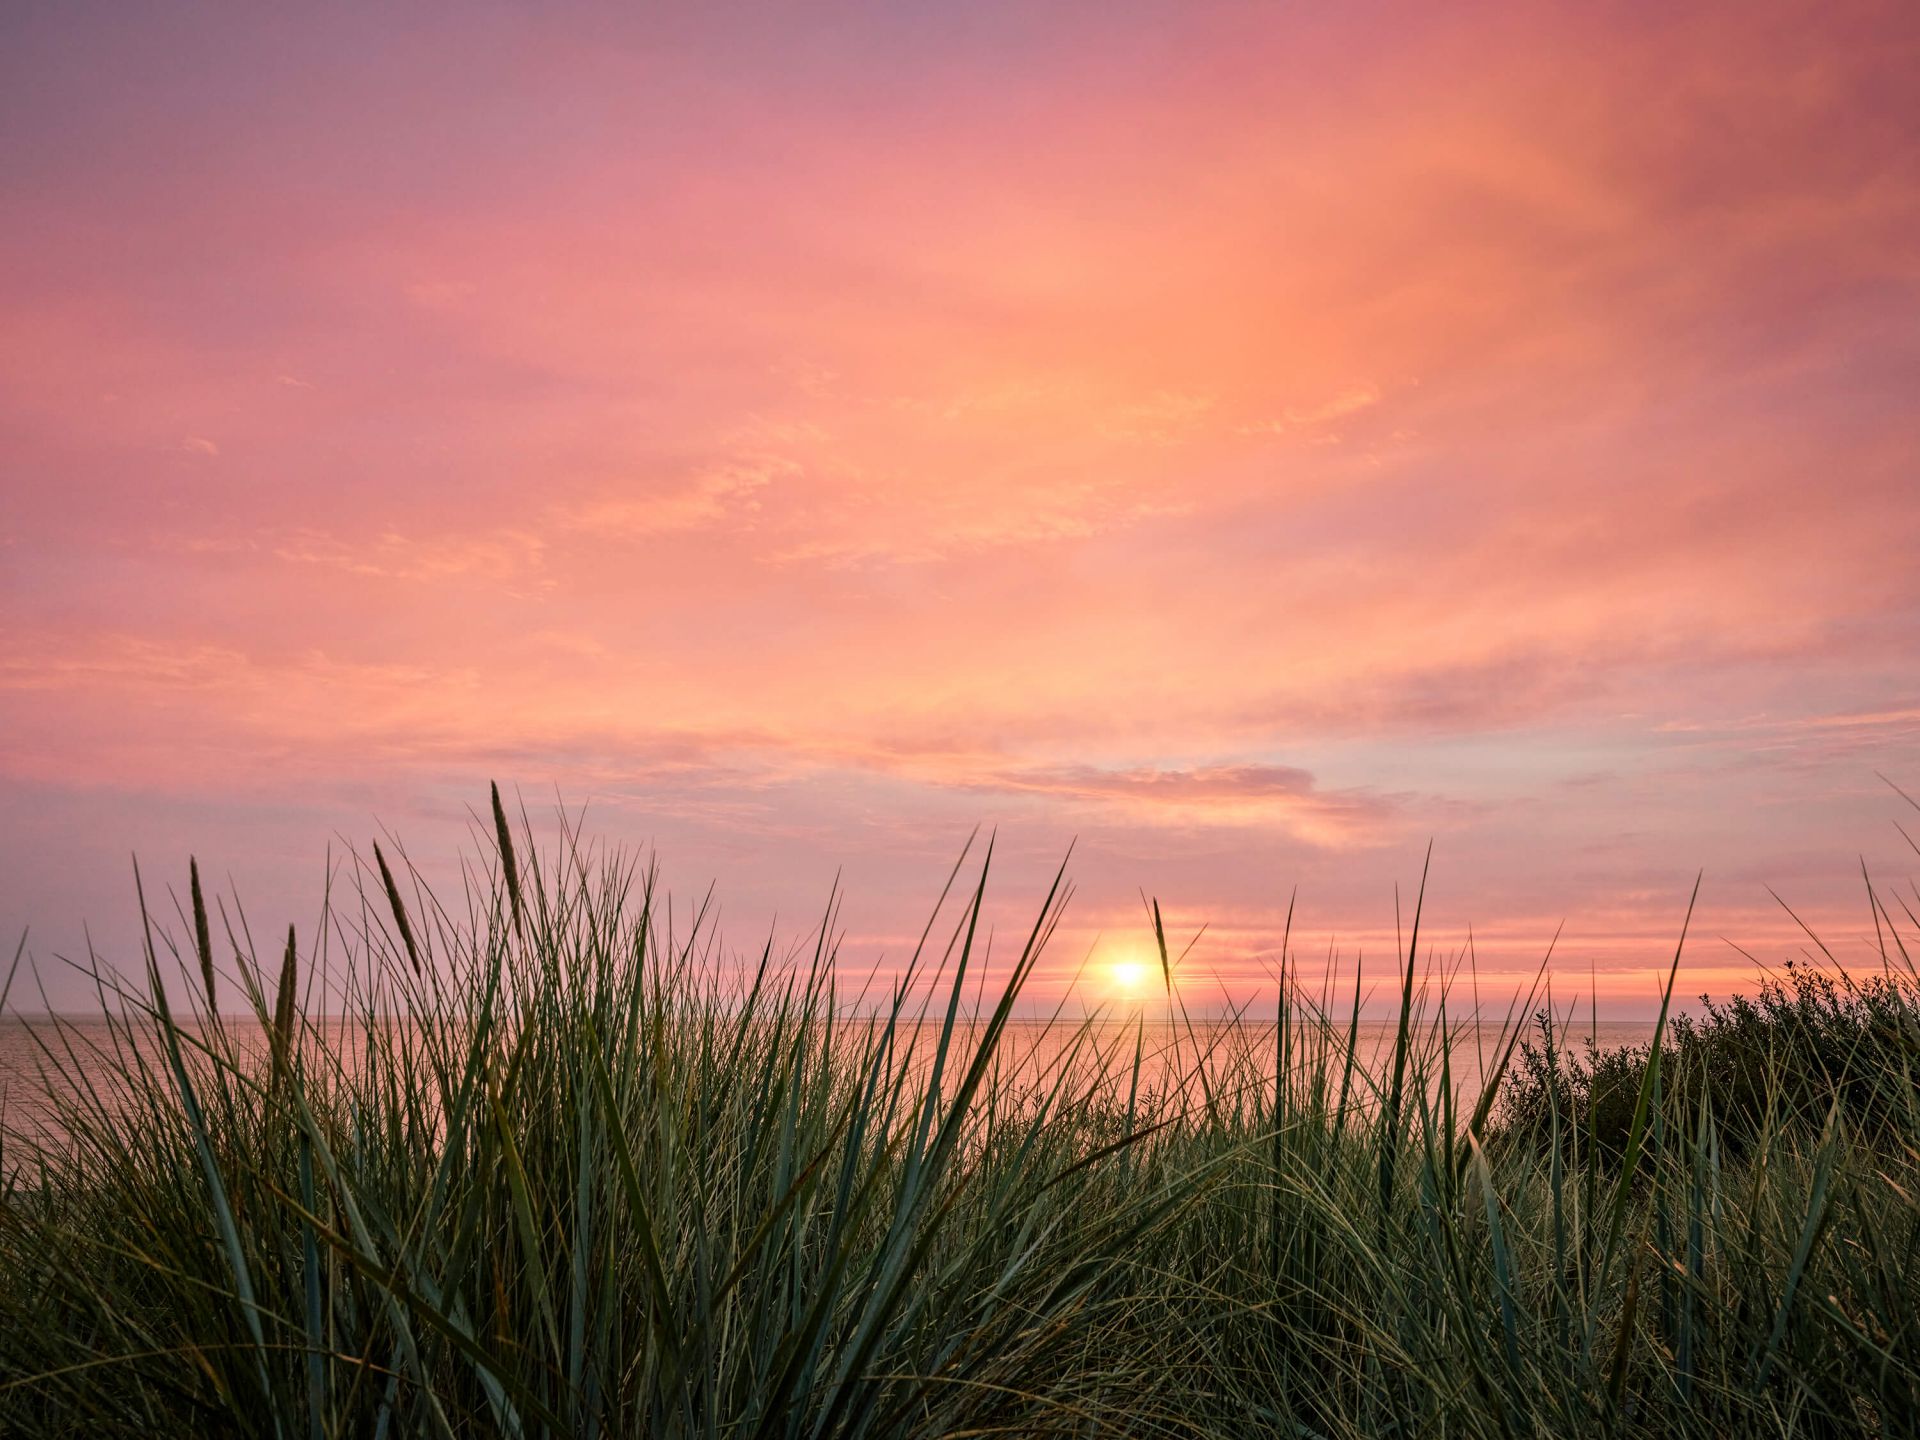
(42, 1058)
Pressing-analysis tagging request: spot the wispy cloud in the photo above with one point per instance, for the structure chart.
(726, 493)
(390, 555)
(1236, 794)
(1351, 401)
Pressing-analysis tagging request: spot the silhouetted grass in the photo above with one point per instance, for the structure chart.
(549, 1164)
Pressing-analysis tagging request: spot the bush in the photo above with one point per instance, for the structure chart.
(1810, 1043)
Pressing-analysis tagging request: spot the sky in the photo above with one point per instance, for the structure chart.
(1243, 443)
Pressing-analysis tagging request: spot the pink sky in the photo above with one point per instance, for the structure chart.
(1254, 440)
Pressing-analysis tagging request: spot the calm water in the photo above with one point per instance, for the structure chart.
(1171, 1057)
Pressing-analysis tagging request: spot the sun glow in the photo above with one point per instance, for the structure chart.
(1129, 975)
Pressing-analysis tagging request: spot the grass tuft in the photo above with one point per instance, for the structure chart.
(585, 1174)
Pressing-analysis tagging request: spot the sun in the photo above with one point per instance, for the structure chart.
(1129, 976)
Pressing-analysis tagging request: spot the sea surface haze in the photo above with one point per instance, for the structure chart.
(45, 1057)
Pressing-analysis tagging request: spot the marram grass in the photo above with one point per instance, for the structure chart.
(554, 1165)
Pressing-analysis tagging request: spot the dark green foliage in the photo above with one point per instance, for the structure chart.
(1810, 1042)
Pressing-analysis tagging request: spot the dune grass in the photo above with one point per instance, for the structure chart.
(553, 1163)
